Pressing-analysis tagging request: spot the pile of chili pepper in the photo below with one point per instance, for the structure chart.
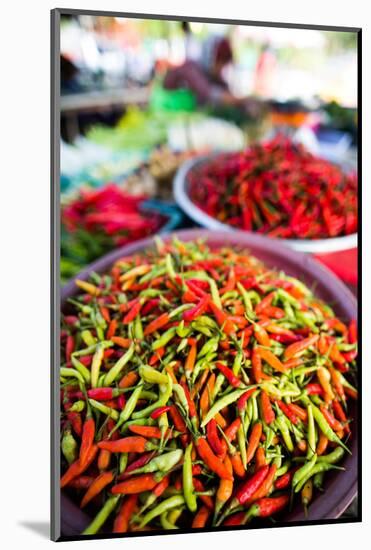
(96, 221)
(112, 213)
(279, 189)
(200, 388)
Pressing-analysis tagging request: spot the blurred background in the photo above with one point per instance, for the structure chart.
(140, 97)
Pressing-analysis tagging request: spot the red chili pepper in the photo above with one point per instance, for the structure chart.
(137, 463)
(352, 332)
(70, 319)
(267, 410)
(70, 346)
(103, 394)
(231, 431)
(195, 289)
(112, 327)
(350, 356)
(150, 305)
(161, 410)
(235, 519)
(285, 480)
(213, 437)
(222, 319)
(288, 412)
(87, 438)
(192, 314)
(121, 401)
(314, 389)
(177, 419)
(134, 311)
(339, 412)
(191, 403)
(248, 488)
(228, 373)
(277, 188)
(334, 424)
(206, 499)
(268, 506)
(241, 402)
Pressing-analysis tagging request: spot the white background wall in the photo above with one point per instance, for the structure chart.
(24, 287)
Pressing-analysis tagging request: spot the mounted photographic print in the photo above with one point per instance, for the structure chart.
(205, 372)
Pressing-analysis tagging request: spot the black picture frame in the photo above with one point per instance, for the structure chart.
(55, 257)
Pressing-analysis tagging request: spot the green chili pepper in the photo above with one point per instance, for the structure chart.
(255, 409)
(282, 426)
(104, 409)
(179, 310)
(170, 267)
(199, 327)
(115, 371)
(123, 462)
(242, 445)
(221, 403)
(209, 346)
(151, 375)
(85, 373)
(164, 506)
(237, 363)
(138, 328)
(179, 392)
(324, 426)
(317, 468)
(188, 488)
(165, 523)
(285, 297)
(69, 372)
(78, 406)
(311, 433)
(165, 394)
(91, 349)
(88, 338)
(303, 471)
(215, 293)
(333, 457)
(247, 301)
(162, 463)
(284, 468)
(69, 446)
(96, 364)
(102, 516)
(318, 480)
(182, 331)
(164, 339)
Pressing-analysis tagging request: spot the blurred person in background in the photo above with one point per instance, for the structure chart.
(192, 46)
(265, 71)
(205, 80)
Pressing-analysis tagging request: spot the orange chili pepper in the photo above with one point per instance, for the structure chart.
(97, 487)
(157, 323)
(254, 439)
(300, 347)
(77, 468)
(126, 511)
(271, 359)
(201, 517)
(134, 485)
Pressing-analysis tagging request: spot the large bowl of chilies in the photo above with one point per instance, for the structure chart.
(204, 385)
(277, 189)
